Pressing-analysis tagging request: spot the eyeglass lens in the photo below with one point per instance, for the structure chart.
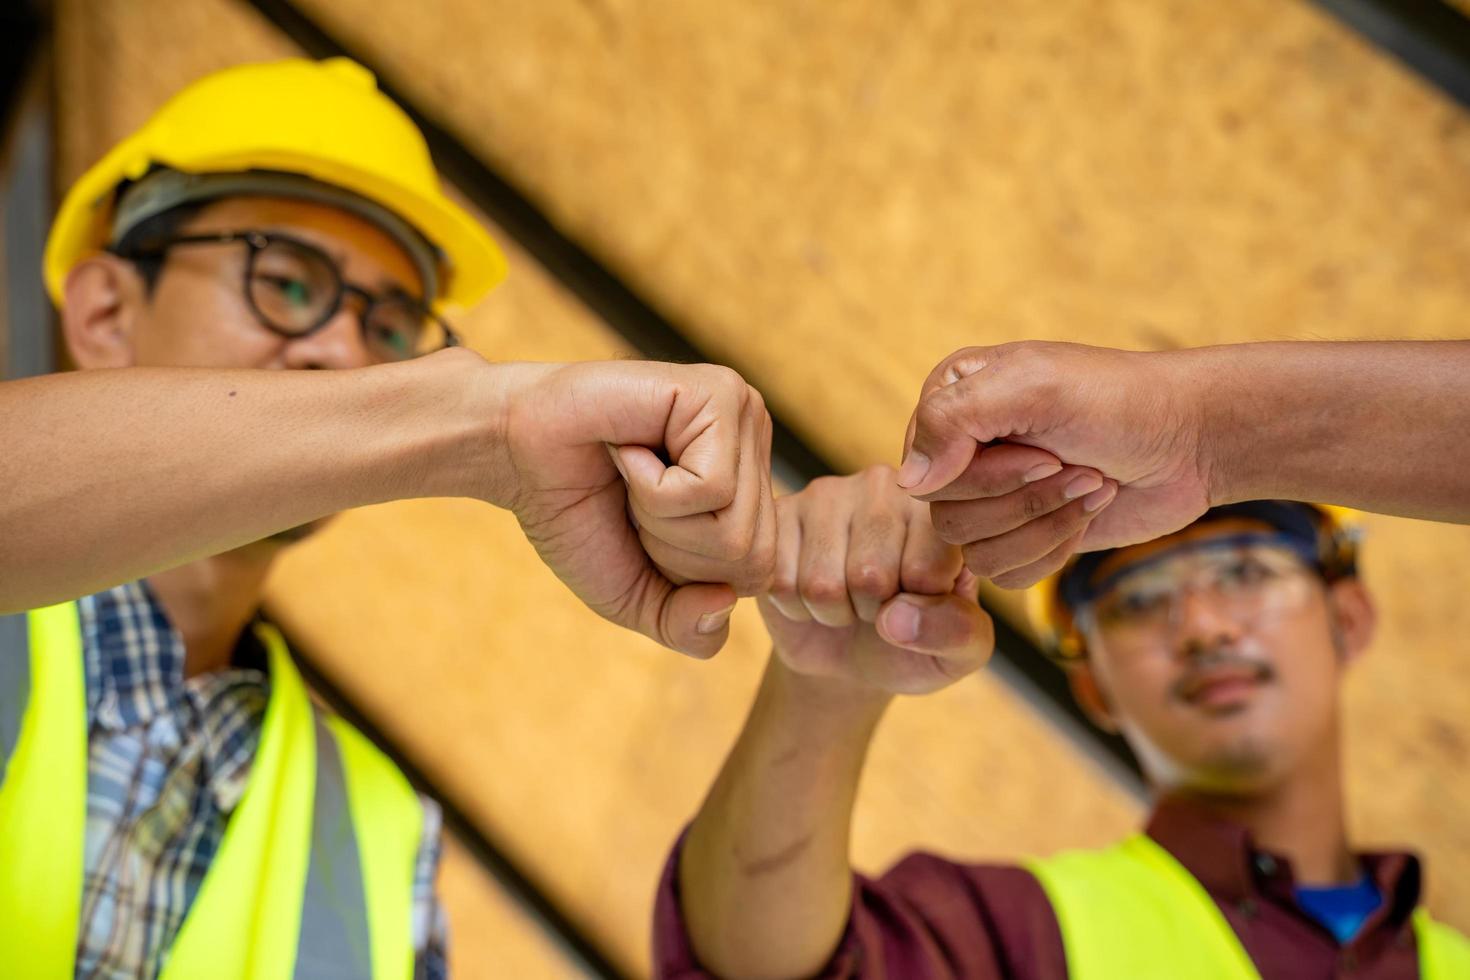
(297, 289)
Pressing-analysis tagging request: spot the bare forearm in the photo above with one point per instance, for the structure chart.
(107, 476)
(764, 876)
(1379, 426)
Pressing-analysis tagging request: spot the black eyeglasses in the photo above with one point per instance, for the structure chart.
(295, 288)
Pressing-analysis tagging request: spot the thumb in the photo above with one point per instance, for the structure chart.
(695, 619)
(660, 490)
(940, 449)
(952, 422)
(950, 627)
(955, 368)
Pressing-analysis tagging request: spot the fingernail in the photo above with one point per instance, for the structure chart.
(1042, 472)
(1099, 499)
(714, 622)
(915, 465)
(901, 622)
(617, 459)
(1084, 484)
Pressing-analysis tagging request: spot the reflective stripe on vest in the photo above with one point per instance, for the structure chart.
(15, 683)
(1132, 910)
(314, 874)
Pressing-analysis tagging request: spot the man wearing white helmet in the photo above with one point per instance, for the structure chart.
(171, 803)
(1217, 651)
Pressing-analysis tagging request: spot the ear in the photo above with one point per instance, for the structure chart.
(1090, 697)
(1355, 617)
(105, 296)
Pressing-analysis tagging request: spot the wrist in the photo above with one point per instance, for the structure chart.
(459, 406)
(1208, 407)
(1239, 408)
(836, 704)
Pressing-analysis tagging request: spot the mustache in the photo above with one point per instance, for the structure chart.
(1236, 657)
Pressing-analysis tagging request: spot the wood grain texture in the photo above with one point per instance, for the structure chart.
(579, 748)
(489, 934)
(833, 196)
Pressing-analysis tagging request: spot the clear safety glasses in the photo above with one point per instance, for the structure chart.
(1243, 578)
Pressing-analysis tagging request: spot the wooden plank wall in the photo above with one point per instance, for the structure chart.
(579, 748)
(832, 197)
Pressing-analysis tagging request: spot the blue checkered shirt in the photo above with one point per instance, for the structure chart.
(168, 760)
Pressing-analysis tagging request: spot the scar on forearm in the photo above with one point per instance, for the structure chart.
(777, 861)
(790, 755)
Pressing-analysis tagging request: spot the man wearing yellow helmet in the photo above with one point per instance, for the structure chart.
(1217, 651)
(171, 803)
(1379, 426)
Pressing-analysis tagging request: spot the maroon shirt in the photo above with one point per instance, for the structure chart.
(929, 918)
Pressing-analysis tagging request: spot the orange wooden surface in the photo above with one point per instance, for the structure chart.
(832, 197)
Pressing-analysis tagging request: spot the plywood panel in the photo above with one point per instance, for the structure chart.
(912, 177)
(833, 196)
(580, 748)
(489, 934)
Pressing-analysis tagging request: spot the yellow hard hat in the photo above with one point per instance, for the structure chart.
(324, 120)
(1339, 531)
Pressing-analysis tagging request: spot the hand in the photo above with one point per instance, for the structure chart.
(991, 418)
(583, 445)
(865, 592)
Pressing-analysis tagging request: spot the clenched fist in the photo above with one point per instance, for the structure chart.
(994, 426)
(866, 593)
(646, 487)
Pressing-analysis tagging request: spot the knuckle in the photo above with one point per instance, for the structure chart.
(984, 562)
(720, 489)
(872, 580)
(730, 380)
(929, 414)
(825, 490)
(1033, 361)
(949, 522)
(1062, 523)
(735, 540)
(824, 591)
(724, 376)
(942, 369)
(783, 586)
(754, 399)
(1034, 503)
(760, 567)
(823, 485)
(880, 474)
(924, 576)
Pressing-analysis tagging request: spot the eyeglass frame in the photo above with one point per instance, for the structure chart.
(1303, 563)
(256, 241)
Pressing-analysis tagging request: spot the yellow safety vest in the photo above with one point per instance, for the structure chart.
(1133, 911)
(314, 875)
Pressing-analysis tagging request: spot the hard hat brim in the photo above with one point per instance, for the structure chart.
(473, 263)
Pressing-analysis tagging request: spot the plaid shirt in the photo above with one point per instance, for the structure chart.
(168, 760)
